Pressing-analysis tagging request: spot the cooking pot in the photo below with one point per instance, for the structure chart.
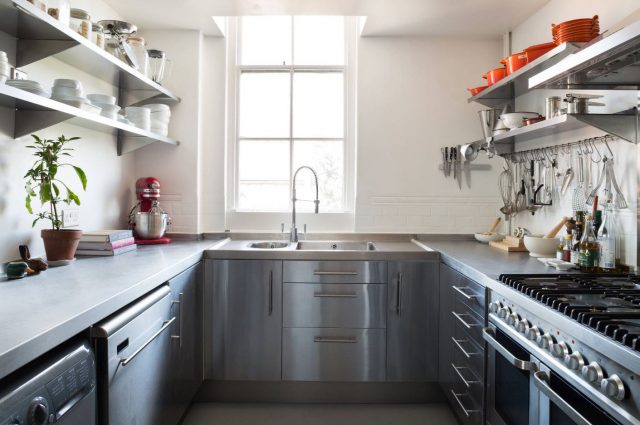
(579, 103)
(495, 75)
(515, 62)
(151, 225)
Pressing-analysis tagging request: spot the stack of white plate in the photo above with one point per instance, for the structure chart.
(70, 92)
(28, 85)
(106, 103)
(160, 116)
(140, 117)
(5, 68)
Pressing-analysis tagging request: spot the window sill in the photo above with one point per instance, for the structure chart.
(272, 221)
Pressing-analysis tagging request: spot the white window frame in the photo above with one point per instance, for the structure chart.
(234, 70)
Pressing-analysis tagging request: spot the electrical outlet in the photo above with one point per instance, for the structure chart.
(70, 217)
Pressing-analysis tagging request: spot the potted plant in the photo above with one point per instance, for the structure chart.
(42, 181)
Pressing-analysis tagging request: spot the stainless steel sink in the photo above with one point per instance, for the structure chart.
(335, 246)
(269, 245)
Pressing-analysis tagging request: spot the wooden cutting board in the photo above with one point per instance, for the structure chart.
(509, 244)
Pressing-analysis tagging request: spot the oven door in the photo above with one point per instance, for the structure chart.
(562, 404)
(512, 397)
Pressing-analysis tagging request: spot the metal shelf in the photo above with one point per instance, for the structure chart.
(512, 86)
(610, 62)
(40, 36)
(623, 125)
(33, 113)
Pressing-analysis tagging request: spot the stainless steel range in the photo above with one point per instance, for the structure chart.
(564, 349)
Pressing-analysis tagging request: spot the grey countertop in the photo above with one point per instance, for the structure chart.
(38, 313)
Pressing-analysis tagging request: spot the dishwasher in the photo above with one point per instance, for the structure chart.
(59, 387)
(133, 349)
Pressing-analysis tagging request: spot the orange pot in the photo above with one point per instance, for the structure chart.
(475, 90)
(537, 50)
(495, 75)
(514, 62)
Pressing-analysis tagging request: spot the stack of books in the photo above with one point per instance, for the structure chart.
(106, 243)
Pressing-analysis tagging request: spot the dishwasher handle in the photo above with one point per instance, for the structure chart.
(165, 325)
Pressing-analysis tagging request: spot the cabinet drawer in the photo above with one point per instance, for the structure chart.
(466, 352)
(338, 355)
(334, 305)
(468, 321)
(335, 271)
(468, 409)
(471, 294)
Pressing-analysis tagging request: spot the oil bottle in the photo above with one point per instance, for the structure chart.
(589, 248)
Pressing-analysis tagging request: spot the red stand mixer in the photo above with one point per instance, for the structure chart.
(150, 222)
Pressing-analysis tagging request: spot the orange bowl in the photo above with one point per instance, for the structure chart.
(495, 75)
(475, 90)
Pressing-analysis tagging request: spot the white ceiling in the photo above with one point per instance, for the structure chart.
(384, 17)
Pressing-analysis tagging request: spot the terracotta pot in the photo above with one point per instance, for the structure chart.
(60, 244)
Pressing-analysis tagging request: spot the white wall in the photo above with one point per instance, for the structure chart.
(412, 101)
(110, 178)
(537, 30)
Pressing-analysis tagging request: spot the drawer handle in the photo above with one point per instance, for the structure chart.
(348, 340)
(465, 352)
(321, 273)
(126, 360)
(464, 380)
(464, 322)
(334, 295)
(464, 294)
(466, 411)
(180, 303)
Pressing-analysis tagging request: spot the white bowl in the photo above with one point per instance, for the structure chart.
(481, 237)
(3, 79)
(107, 107)
(105, 99)
(65, 91)
(516, 119)
(539, 246)
(65, 82)
(158, 107)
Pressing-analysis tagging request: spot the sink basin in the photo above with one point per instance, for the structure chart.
(269, 245)
(335, 246)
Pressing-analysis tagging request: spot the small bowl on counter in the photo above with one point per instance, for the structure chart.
(486, 238)
(541, 247)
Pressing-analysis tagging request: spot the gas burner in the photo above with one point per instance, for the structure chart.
(625, 331)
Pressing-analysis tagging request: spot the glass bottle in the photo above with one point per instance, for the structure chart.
(578, 229)
(607, 238)
(589, 249)
(597, 221)
(568, 247)
(140, 52)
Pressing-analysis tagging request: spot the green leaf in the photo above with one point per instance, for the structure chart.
(82, 176)
(34, 222)
(53, 170)
(27, 204)
(73, 197)
(45, 193)
(56, 189)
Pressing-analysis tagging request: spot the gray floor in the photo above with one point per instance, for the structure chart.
(318, 414)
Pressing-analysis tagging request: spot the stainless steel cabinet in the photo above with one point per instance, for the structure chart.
(412, 321)
(243, 320)
(186, 346)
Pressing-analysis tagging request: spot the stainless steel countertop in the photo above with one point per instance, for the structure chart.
(38, 313)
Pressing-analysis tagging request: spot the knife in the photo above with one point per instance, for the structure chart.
(458, 167)
(446, 162)
(454, 161)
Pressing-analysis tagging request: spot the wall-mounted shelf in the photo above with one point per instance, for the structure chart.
(512, 86)
(33, 113)
(610, 62)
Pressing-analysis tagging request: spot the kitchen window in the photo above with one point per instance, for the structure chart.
(291, 103)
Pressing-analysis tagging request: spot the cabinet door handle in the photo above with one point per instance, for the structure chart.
(270, 292)
(399, 295)
(348, 340)
(464, 294)
(466, 382)
(180, 304)
(464, 322)
(465, 352)
(126, 360)
(466, 411)
(335, 273)
(335, 295)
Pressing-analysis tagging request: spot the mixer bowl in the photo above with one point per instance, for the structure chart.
(151, 226)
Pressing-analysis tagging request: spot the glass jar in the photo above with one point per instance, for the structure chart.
(80, 22)
(98, 35)
(139, 50)
(39, 4)
(60, 10)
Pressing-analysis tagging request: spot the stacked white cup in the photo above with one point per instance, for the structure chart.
(160, 117)
(139, 116)
(106, 103)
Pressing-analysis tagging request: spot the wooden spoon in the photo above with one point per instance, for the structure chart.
(493, 227)
(553, 232)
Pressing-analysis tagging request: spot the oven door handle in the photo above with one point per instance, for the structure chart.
(540, 380)
(489, 335)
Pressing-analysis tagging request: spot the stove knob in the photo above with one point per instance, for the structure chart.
(38, 411)
(574, 361)
(523, 325)
(592, 372)
(495, 307)
(513, 319)
(533, 333)
(560, 349)
(504, 312)
(613, 387)
(546, 341)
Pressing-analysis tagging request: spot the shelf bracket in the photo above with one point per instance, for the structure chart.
(137, 97)
(30, 51)
(28, 121)
(624, 125)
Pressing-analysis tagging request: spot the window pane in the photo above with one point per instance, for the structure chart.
(264, 104)
(318, 104)
(265, 40)
(263, 175)
(318, 40)
(327, 159)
